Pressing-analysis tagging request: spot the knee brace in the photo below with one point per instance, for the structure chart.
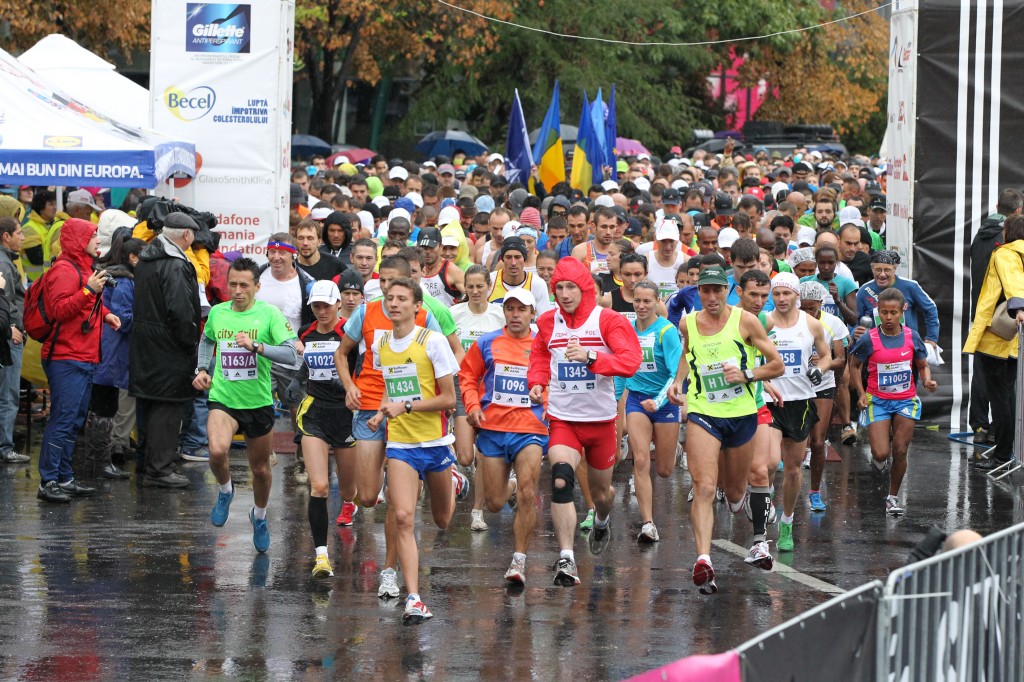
(568, 476)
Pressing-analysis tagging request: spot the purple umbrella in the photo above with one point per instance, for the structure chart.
(627, 147)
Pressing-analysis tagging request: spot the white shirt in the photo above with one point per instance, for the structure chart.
(472, 325)
(285, 296)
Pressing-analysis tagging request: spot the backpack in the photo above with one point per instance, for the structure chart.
(38, 324)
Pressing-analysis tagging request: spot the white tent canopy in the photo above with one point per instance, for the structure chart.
(88, 78)
(48, 137)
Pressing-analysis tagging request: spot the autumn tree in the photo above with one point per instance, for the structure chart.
(837, 74)
(100, 29)
(661, 90)
(340, 42)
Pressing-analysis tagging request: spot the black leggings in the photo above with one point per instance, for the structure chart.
(104, 400)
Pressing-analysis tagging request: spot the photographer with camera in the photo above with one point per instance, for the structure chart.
(72, 299)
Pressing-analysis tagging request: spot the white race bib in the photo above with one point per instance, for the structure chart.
(319, 357)
(510, 386)
(237, 363)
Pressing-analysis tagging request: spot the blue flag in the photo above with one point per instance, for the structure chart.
(611, 134)
(518, 156)
(597, 113)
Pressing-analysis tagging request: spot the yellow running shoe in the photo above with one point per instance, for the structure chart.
(322, 568)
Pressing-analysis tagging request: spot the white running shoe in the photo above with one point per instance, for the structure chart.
(760, 557)
(892, 506)
(648, 533)
(807, 458)
(388, 584)
(478, 522)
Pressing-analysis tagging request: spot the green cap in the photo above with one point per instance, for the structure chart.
(621, 166)
(713, 275)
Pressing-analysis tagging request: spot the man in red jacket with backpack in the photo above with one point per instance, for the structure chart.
(71, 300)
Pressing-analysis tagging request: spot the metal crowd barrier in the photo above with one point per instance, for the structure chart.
(957, 615)
(1017, 461)
(838, 635)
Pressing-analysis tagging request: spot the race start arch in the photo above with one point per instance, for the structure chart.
(956, 137)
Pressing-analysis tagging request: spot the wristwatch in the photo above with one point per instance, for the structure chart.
(591, 357)
(408, 406)
(748, 374)
(258, 348)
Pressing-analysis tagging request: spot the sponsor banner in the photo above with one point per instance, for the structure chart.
(902, 116)
(221, 76)
(109, 169)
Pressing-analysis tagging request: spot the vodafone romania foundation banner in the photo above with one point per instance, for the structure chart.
(221, 76)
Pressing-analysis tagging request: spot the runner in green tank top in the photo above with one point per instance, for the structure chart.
(722, 412)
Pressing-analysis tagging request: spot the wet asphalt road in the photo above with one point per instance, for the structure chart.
(135, 582)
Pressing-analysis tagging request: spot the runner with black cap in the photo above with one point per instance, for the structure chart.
(440, 277)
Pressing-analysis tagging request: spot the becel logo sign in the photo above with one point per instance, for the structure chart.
(191, 105)
(222, 29)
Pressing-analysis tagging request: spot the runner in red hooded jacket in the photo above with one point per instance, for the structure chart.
(578, 350)
(73, 299)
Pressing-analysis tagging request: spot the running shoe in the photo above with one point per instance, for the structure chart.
(322, 568)
(478, 522)
(599, 538)
(388, 584)
(704, 577)
(415, 612)
(807, 458)
(587, 523)
(260, 532)
(461, 484)
(516, 572)
(689, 495)
(221, 509)
(200, 455)
(772, 516)
(648, 533)
(300, 472)
(892, 506)
(566, 574)
(513, 499)
(817, 504)
(785, 543)
(719, 495)
(632, 485)
(348, 511)
(781, 466)
(848, 435)
(760, 557)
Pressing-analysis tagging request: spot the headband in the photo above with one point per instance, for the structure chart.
(284, 246)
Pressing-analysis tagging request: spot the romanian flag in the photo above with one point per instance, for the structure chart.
(586, 159)
(547, 151)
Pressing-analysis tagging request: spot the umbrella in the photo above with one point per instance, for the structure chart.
(569, 134)
(353, 154)
(305, 146)
(627, 147)
(447, 142)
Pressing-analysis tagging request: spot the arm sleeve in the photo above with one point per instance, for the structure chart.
(283, 353)
(672, 347)
(929, 310)
(539, 371)
(470, 372)
(625, 356)
(354, 326)
(206, 348)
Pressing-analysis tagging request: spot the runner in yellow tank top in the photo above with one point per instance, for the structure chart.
(720, 402)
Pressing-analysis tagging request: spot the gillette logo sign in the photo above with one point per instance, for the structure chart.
(191, 105)
(216, 28)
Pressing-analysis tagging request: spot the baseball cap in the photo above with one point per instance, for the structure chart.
(620, 214)
(429, 237)
(82, 196)
(700, 219)
(350, 280)
(713, 275)
(806, 235)
(670, 197)
(723, 204)
(495, 157)
(416, 198)
(610, 186)
(449, 240)
(878, 203)
(446, 169)
(850, 214)
(522, 295)
(398, 173)
(633, 229)
(727, 236)
(324, 291)
(604, 200)
(801, 167)
(666, 229)
(428, 164)
(320, 213)
(341, 159)
(642, 184)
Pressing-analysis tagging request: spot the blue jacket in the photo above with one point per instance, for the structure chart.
(917, 301)
(114, 353)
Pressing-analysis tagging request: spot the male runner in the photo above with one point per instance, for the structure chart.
(417, 367)
(513, 275)
(578, 349)
(513, 434)
(797, 336)
(248, 336)
(719, 343)
(594, 254)
(441, 278)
